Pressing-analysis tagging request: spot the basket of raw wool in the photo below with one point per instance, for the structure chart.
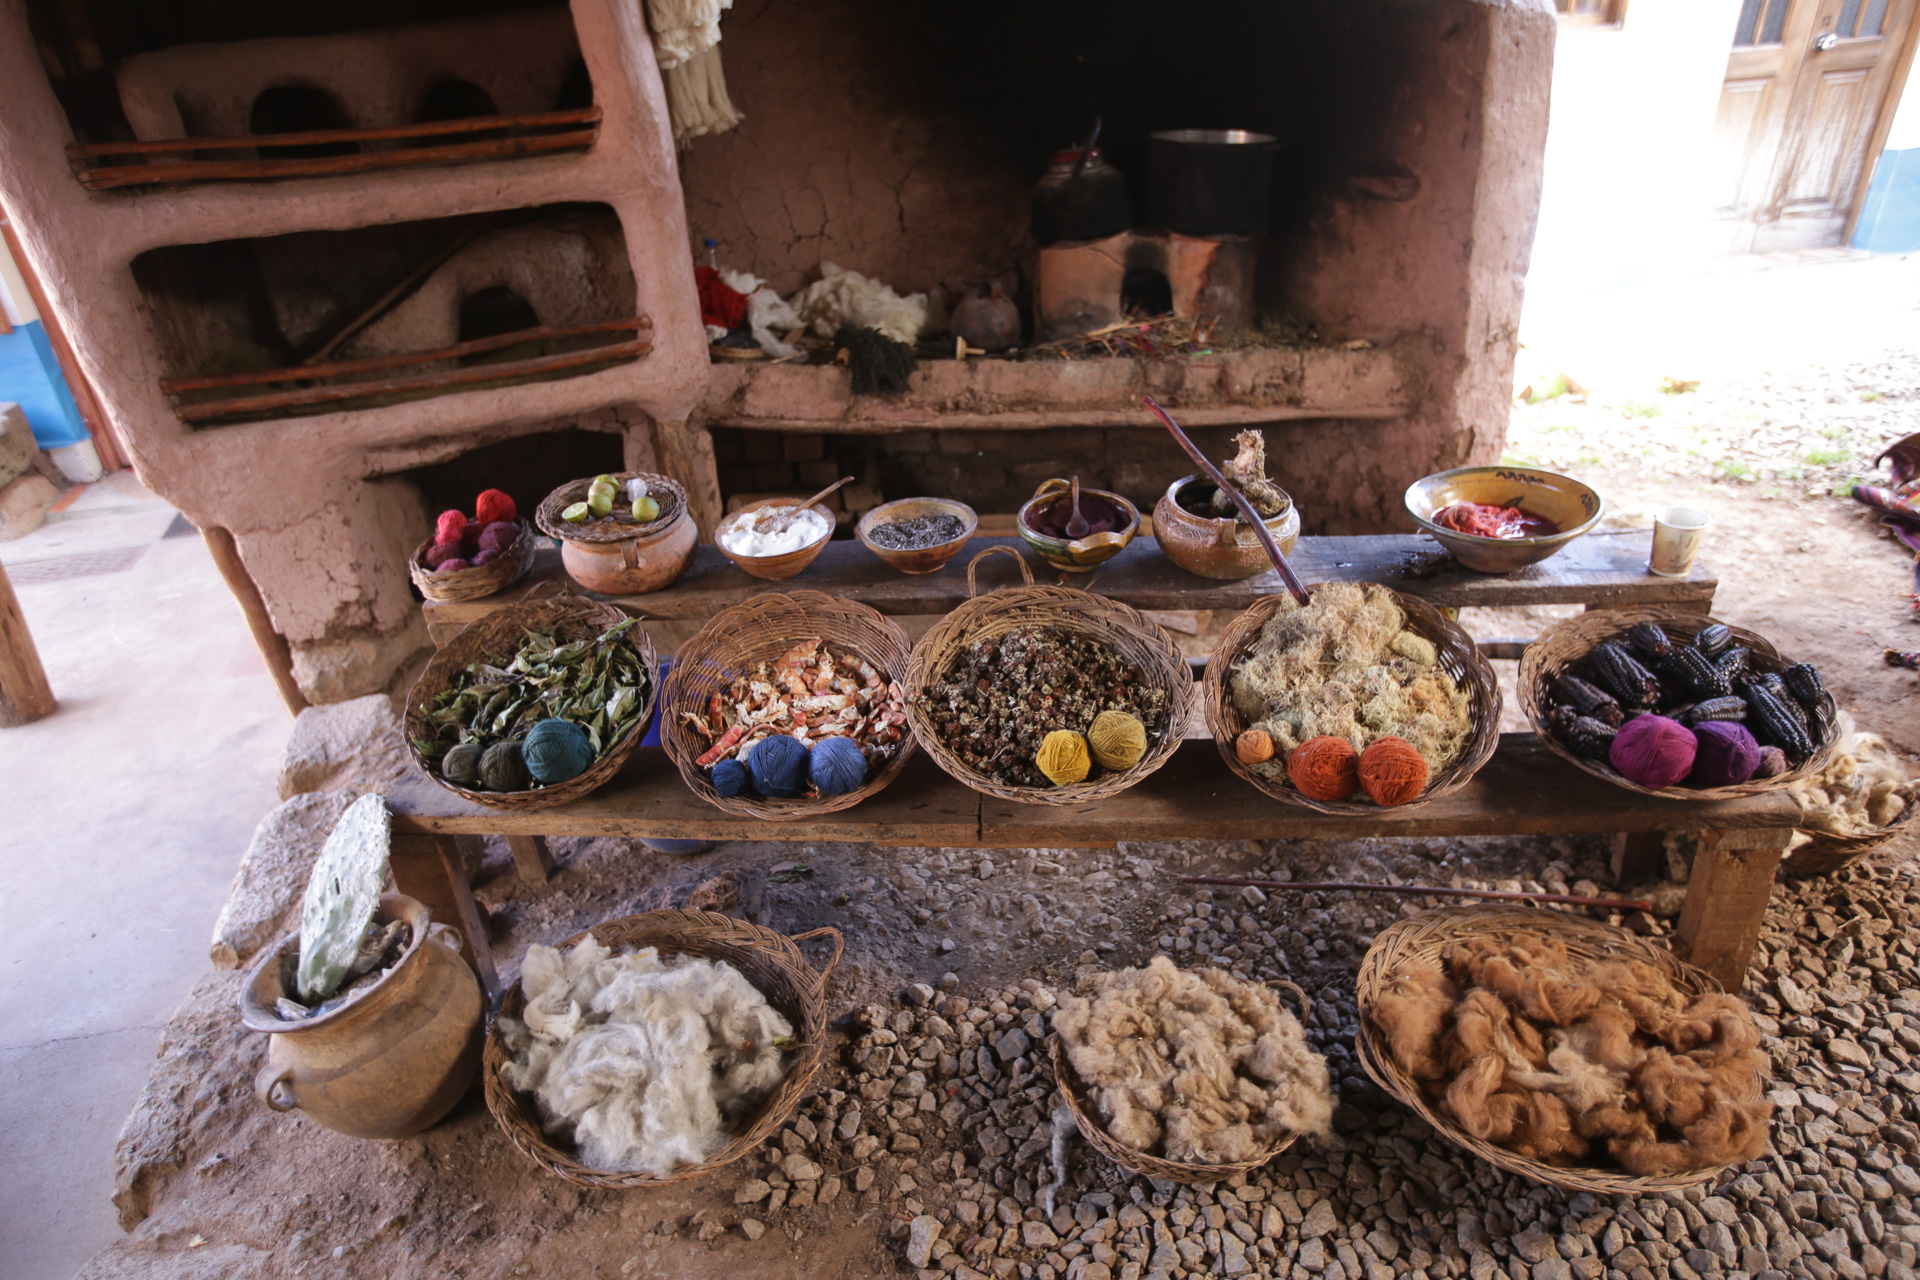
(1861, 802)
(1303, 699)
(669, 1043)
(1243, 1088)
(476, 581)
(1047, 695)
(1562, 1049)
(821, 674)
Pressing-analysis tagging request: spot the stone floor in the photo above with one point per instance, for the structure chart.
(125, 814)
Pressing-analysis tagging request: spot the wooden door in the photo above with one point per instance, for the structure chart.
(1809, 93)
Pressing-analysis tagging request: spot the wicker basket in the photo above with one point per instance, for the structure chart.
(1137, 1161)
(770, 961)
(478, 582)
(1573, 639)
(1826, 852)
(1429, 936)
(1075, 610)
(670, 493)
(569, 617)
(1459, 658)
(757, 630)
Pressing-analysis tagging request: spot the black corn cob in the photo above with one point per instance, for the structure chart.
(1584, 698)
(1768, 716)
(1734, 662)
(1589, 737)
(1803, 682)
(1648, 640)
(1777, 686)
(1621, 674)
(1731, 707)
(1691, 674)
(1714, 640)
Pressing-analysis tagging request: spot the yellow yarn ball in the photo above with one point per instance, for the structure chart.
(1063, 757)
(1118, 740)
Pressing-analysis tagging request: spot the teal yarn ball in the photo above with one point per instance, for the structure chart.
(779, 766)
(838, 766)
(557, 751)
(729, 778)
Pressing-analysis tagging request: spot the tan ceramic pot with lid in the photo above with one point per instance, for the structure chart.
(1077, 555)
(616, 557)
(391, 1063)
(1225, 550)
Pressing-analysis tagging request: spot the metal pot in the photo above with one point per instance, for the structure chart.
(1209, 182)
(1089, 205)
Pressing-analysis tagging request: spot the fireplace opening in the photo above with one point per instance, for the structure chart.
(492, 311)
(455, 100)
(299, 108)
(1146, 291)
(527, 468)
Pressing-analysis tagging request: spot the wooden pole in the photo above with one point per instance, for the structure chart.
(272, 645)
(25, 695)
(134, 175)
(435, 129)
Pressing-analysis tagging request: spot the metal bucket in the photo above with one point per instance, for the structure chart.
(1209, 182)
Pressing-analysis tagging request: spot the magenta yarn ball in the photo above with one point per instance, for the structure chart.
(1726, 754)
(498, 537)
(1653, 751)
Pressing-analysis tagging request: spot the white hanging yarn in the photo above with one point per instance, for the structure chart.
(642, 1062)
(686, 42)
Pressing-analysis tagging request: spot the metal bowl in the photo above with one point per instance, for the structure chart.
(1570, 504)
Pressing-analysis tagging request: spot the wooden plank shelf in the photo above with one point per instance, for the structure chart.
(1267, 384)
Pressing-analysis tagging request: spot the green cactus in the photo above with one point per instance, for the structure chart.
(341, 896)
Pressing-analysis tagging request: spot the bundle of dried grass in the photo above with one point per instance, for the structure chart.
(1571, 1067)
(1195, 1066)
(1347, 665)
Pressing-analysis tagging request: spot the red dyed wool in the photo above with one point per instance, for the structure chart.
(1324, 768)
(493, 507)
(450, 526)
(1392, 772)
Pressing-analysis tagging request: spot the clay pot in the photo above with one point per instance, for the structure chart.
(988, 320)
(1078, 555)
(926, 559)
(391, 1063)
(1225, 550)
(634, 566)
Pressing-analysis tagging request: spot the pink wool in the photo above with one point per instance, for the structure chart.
(1653, 751)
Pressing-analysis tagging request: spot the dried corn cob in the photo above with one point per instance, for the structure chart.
(1731, 707)
(1621, 674)
(1771, 720)
(1714, 640)
(1586, 699)
(1648, 640)
(1690, 673)
(1734, 662)
(1589, 737)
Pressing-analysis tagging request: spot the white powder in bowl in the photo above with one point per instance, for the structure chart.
(746, 539)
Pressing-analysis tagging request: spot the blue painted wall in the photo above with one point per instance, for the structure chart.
(31, 376)
(1890, 217)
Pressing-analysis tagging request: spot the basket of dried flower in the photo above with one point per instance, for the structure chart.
(1562, 1049)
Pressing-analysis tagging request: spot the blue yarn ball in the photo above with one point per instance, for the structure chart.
(838, 766)
(557, 751)
(729, 778)
(779, 766)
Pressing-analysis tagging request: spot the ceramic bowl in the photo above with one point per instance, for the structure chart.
(1562, 499)
(773, 568)
(925, 559)
(1224, 550)
(1077, 555)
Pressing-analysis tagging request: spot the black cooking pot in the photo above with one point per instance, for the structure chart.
(1209, 182)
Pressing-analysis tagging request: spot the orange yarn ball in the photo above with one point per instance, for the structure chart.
(1392, 771)
(1324, 768)
(1254, 746)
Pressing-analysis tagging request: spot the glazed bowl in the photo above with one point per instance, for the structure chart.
(1224, 550)
(923, 559)
(773, 568)
(1077, 555)
(1573, 506)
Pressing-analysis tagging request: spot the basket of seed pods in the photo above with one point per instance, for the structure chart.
(1047, 695)
(1676, 704)
(789, 705)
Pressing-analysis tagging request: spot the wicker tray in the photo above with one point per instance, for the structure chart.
(1459, 658)
(1072, 609)
(770, 961)
(757, 630)
(1827, 852)
(670, 493)
(1074, 1090)
(1428, 936)
(1573, 639)
(478, 582)
(571, 618)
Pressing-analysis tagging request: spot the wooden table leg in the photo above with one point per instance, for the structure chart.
(24, 693)
(1726, 902)
(428, 868)
(1639, 856)
(531, 857)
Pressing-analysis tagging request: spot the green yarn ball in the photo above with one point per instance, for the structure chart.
(461, 764)
(557, 751)
(503, 768)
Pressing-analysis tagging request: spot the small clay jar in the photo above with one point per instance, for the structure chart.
(634, 566)
(989, 321)
(1225, 550)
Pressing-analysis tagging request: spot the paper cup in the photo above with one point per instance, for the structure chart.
(1677, 532)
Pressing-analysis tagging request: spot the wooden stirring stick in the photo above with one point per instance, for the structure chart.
(777, 519)
(1077, 525)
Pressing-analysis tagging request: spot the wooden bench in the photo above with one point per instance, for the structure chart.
(1523, 790)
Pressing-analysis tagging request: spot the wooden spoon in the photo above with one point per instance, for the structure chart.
(1077, 525)
(776, 519)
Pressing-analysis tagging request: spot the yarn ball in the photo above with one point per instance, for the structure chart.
(1255, 746)
(837, 766)
(503, 768)
(493, 506)
(1725, 754)
(1117, 739)
(779, 766)
(1773, 763)
(454, 565)
(470, 540)
(498, 537)
(557, 751)
(1063, 757)
(1392, 772)
(1653, 751)
(1324, 768)
(729, 778)
(461, 764)
(449, 526)
(486, 557)
(441, 552)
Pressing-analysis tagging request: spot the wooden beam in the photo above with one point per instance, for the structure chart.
(134, 175)
(273, 646)
(427, 868)
(1727, 895)
(531, 857)
(685, 452)
(1638, 856)
(25, 695)
(472, 124)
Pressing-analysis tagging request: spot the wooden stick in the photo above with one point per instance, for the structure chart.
(25, 695)
(406, 285)
(419, 382)
(1422, 890)
(273, 646)
(472, 124)
(374, 364)
(315, 166)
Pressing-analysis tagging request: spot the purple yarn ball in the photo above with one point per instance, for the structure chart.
(1727, 754)
(1773, 763)
(1653, 751)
